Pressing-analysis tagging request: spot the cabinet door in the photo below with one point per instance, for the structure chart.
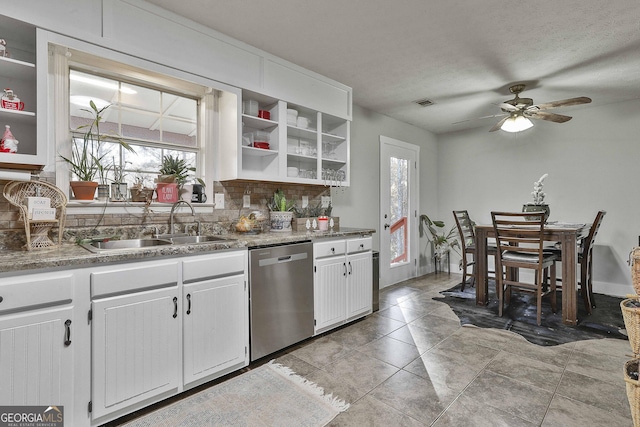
(215, 327)
(36, 358)
(329, 292)
(135, 347)
(359, 284)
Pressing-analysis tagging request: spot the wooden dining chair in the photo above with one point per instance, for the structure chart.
(520, 243)
(585, 259)
(468, 247)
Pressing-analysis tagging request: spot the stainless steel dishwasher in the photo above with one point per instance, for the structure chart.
(281, 296)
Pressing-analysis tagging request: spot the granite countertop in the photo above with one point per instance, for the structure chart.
(71, 255)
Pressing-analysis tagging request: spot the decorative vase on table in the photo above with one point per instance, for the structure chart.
(531, 207)
(538, 204)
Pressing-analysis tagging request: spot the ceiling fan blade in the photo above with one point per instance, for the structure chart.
(478, 118)
(552, 117)
(562, 103)
(498, 125)
(507, 107)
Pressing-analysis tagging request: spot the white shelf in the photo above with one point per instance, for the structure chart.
(296, 132)
(16, 69)
(257, 122)
(334, 162)
(301, 157)
(16, 114)
(329, 137)
(258, 152)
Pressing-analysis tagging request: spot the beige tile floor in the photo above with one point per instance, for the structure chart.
(412, 364)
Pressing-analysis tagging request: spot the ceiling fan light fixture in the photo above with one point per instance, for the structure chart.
(516, 124)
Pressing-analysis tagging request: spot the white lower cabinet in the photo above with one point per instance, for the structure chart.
(135, 335)
(37, 341)
(215, 307)
(343, 281)
(161, 327)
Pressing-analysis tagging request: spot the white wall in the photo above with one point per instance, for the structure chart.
(592, 162)
(359, 205)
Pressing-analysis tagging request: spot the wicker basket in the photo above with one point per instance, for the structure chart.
(634, 261)
(631, 314)
(633, 389)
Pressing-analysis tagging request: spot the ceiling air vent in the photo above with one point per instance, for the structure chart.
(424, 102)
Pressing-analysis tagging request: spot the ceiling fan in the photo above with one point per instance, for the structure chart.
(520, 110)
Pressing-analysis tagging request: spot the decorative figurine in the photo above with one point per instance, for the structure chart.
(8, 144)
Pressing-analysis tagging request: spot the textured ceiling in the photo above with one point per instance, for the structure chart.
(461, 54)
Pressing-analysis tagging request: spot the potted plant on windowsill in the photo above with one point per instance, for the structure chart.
(281, 212)
(174, 174)
(118, 185)
(86, 159)
(140, 192)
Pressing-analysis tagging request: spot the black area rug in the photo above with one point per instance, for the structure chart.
(520, 316)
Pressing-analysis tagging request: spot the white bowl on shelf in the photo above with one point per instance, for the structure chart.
(292, 172)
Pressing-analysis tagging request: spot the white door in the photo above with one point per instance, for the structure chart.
(135, 349)
(330, 292)
(398, 210)
(359, 277)
(214, 326)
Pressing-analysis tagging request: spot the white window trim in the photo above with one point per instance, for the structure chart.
(57, 94)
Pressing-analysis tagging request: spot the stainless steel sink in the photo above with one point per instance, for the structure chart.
(198, 239)
(111, 245)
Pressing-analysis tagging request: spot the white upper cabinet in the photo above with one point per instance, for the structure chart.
(18, 73)
(139, 29)
(287, 142)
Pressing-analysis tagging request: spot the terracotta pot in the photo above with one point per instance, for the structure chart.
(83, 190)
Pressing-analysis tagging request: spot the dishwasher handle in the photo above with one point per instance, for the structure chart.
(283, 259)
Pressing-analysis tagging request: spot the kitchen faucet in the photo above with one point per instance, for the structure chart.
(173, 208)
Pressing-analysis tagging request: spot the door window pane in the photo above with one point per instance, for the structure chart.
(399, 209)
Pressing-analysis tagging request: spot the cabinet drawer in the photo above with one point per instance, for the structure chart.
(35, 291)
(124, 279)
(211, 266)
(359, 245)
(330, 248)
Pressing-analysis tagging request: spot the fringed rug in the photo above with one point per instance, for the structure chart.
(270, 395)
(520, 316)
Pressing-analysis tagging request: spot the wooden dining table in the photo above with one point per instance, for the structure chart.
(565, 233)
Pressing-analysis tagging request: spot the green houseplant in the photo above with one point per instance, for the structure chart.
(281, 212)
(174, 169)
(86, 160)
(442, 242)
(174, 173)
(118, 184)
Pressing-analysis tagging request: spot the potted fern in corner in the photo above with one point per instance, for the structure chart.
(281, 212)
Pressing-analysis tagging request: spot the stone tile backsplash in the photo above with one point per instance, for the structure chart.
(218, 221)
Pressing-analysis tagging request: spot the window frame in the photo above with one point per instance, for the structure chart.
(61, 48)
